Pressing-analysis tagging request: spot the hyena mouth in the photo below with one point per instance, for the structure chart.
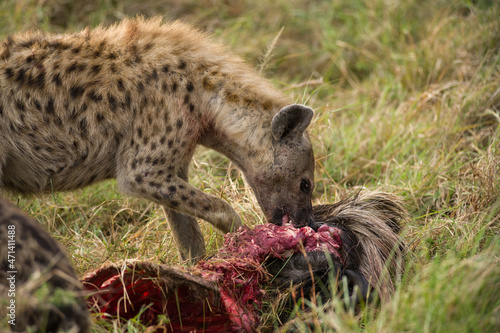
(286, 219)
(281, 216)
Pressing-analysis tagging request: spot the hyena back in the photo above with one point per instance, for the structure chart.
(132, 102)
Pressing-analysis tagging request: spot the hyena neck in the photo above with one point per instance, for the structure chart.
(242, 132)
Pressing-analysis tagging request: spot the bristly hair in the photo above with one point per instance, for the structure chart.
(375, 218)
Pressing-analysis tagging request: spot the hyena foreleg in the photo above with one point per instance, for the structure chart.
(185, 231)
(187, 235)
(182, 202)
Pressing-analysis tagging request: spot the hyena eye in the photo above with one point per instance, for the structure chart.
(305, 186)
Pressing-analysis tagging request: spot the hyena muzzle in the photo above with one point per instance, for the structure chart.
(132, 102)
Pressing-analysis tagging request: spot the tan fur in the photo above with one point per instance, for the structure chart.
(38, 262)
(374, 217)
(132, 102)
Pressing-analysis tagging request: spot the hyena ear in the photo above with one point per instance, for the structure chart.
(291, 121)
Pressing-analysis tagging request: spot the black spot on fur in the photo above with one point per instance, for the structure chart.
(112, 102)
(121, 86)
(93, 95)
(19, 105)
(21, 75)
(37, 81)
(139, 132)
(153, 76)
(83, 124)
(99, 117)
(112, 55)
(95, 69)
(182, 64)
(76, 91)
(138, 179)
(49, 108)
(172, 188)
(9, 73)
(174, 87)
(58, 46)
(165, 68)
(190, 86)
(57, 79)
(179, 123)
(29, 43)
(80, 67)
(71, 68)
(155, 184)
(128, 100)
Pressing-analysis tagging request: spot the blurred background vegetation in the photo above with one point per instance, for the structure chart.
(407, 100)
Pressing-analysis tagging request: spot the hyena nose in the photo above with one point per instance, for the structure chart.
(305, 218)
(312, 223)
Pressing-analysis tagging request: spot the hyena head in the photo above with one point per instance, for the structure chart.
(283, 186)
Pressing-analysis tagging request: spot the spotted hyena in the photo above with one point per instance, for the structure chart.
(132, 102)
(36, 274)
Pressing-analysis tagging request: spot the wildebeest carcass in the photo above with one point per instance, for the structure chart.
(356, 242)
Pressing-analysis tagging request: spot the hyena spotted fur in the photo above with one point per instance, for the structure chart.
(37, 274)
(131, 102)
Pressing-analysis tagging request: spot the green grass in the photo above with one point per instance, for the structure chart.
(407, 99)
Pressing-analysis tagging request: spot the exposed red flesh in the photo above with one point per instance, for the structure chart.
(224, 293)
